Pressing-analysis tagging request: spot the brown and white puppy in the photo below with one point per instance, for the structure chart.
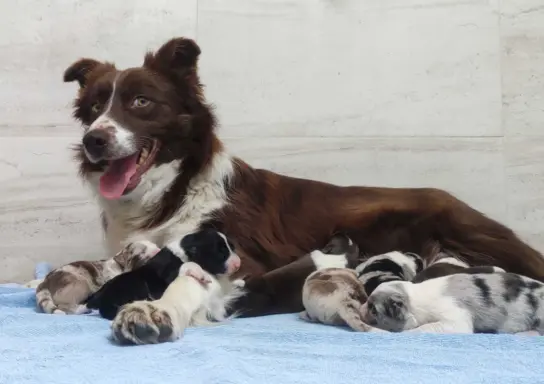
(449, 266)
(332, 294)
(64, 289)
(150, 152)
(335, 296)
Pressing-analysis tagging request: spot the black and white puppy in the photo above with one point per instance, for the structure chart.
(449, 266)
(391, 266)
(204, 251)
(459, 303)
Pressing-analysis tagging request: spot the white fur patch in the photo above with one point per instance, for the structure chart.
(452, 261)
(322, 260)
(124, 144)
(205, 194)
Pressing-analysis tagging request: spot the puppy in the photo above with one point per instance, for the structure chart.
(334, 296)
(449, 266)
(389, 266)
(206, 249)
(459, 303)
(64, 289)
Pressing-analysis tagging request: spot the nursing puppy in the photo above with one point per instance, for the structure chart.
(64, 289)
(206, 250)
(449, 266)
(459, 303)
(333, 295)
(391, 266)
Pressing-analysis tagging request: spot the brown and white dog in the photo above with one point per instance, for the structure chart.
(150, 152)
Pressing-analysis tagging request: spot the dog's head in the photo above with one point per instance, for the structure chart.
(388, 307)
(212, 251)
(137, 119)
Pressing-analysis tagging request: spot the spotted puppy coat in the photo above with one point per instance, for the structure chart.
(459, 303)
(65, 289)
(334, 296)
(449, 266)
(391, 266)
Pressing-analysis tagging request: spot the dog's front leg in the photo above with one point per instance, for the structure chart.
(278, 291)
(151, 322)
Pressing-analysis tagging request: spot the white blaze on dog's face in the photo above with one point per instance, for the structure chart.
(140, 121)
(388, 307)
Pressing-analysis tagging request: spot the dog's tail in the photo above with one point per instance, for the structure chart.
(45, 302)
(350, 312)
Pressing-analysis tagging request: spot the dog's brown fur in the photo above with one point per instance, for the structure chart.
(274, 219)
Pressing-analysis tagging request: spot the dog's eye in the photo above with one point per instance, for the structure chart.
(372, 309)
(140, 102)
(96, 107)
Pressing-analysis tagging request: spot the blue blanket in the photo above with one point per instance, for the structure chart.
(39, 348)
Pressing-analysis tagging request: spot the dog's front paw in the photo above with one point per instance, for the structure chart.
(145, 322)
(195, 271)
(136, 254)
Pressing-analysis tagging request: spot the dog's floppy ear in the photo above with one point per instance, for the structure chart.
(79, 70)
(179, 55)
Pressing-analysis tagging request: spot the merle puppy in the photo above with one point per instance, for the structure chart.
(206, 250)
(460, 303)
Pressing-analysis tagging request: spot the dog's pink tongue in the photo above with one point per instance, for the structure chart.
(117, 177)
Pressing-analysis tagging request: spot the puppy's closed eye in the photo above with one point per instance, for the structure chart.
(372, 309)
(394, 307)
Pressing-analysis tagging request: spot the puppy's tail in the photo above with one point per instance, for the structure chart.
(45, 302)
(350, 312)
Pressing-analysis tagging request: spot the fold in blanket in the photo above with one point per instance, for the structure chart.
(38, 348)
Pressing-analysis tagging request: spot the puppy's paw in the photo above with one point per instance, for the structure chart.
(145, 322)
(195, 271)
(305, 316)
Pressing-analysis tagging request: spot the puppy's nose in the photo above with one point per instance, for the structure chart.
(96, 141)
(233, 264)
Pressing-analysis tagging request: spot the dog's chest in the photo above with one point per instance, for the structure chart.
(187, 219)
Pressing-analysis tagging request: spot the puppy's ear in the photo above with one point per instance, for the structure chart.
(79, 71)
(179, 55)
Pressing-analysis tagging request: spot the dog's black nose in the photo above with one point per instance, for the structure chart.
(96, 142)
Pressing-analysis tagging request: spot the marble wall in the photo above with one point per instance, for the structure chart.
(440, 93)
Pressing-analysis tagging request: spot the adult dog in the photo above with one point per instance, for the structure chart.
(150, 152)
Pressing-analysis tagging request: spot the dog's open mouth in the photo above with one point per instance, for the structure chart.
(123, 175)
